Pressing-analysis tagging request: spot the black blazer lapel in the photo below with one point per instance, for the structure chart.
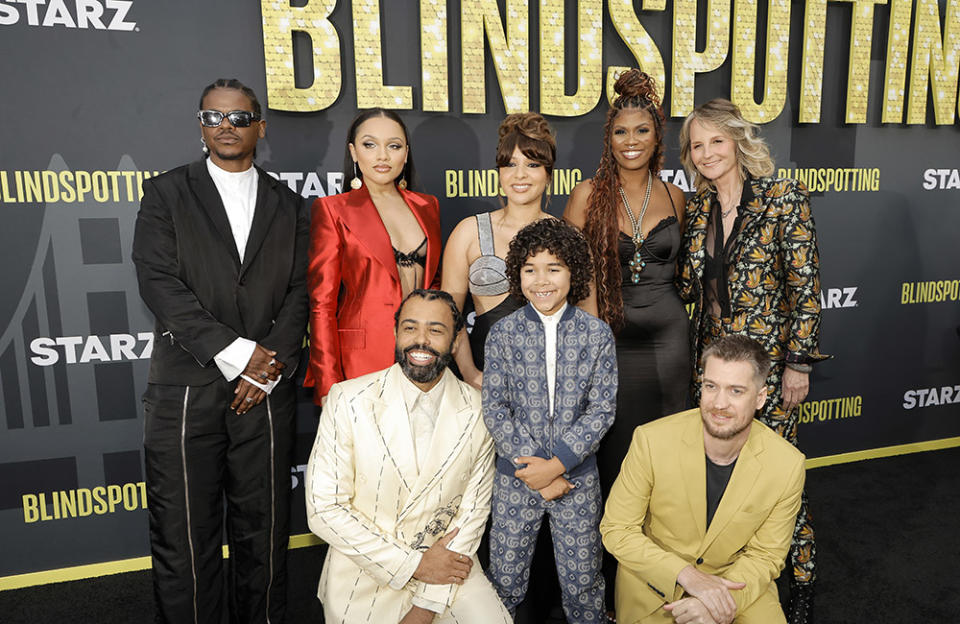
(203, 188)
(262, 218)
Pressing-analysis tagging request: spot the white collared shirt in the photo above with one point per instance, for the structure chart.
(238, 192)
(422, 409)
(550, 326)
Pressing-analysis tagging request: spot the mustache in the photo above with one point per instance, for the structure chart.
(229, 133)
(421, 347)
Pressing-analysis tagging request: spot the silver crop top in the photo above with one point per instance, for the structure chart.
(488, 273)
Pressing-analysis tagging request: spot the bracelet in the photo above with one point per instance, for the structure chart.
(800, 368)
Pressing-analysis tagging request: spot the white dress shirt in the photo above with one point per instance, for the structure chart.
(550, 324)
(238, 192)
(422, 410)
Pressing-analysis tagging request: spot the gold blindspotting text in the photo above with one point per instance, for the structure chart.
(936, 291)
(930, 40)
(486, 182)
(834, 179)
(18, 187)
(830, 409)
(81, 502)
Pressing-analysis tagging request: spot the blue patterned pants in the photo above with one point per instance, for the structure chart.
(574, 520)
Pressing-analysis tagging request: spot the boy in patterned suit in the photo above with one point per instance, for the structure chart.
(549, 396)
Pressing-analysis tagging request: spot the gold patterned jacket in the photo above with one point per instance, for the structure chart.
(774, 279)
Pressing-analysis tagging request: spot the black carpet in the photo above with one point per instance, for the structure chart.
(888, 540)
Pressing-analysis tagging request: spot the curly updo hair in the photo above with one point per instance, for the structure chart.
(563, 241)
(533, 135)
(635, 91)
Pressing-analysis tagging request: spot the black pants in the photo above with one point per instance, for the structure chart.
(197, 451)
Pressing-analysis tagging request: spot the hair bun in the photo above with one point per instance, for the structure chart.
(530, 125)
(634, 83)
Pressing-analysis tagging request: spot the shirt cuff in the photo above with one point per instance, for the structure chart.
(429, 605)
(266, 386)
(406, 570)
(233, 359)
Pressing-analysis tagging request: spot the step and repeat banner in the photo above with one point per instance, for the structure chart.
(858, 98)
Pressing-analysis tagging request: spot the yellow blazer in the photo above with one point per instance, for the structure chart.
(655, 518)
(366, 499)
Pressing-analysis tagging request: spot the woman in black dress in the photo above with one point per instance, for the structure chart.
(634, 222)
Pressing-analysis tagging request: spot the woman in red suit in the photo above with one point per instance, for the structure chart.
(369, 247)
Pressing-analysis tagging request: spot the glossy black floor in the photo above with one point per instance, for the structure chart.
(888, 536)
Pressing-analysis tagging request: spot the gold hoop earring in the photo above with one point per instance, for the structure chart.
(356, 182)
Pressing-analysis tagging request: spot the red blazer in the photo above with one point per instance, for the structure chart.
(354, 284)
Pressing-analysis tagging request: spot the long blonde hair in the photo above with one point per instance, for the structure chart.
(753, 153)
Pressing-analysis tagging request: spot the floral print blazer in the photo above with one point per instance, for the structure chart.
(774, 279)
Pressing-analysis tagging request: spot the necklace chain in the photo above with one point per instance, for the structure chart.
(637, 263)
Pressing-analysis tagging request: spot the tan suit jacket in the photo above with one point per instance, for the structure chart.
(367, 500)
(655, 518)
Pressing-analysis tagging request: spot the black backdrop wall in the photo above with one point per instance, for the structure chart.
(858, 98)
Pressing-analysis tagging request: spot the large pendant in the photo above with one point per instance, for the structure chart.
(637, 263)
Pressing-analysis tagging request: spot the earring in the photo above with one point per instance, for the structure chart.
(356, 182)
(402, 184)
(206, 150)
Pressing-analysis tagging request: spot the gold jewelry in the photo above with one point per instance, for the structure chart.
(356, 182)
(637, 263)
(402, 184)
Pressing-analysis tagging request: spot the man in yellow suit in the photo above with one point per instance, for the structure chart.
(700, 518)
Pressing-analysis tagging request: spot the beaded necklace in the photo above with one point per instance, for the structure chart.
(637, 264)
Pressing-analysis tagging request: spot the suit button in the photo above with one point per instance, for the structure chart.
(699, 560)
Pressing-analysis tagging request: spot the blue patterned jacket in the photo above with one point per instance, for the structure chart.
(516, 404)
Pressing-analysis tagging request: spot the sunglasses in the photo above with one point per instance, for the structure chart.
(237, 118)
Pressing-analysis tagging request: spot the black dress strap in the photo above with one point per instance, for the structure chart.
(670, 197)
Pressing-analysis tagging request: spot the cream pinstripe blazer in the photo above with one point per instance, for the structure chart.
(365, 498)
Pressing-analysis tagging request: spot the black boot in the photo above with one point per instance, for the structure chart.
(800, 609)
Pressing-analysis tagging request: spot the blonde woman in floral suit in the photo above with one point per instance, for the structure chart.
(749, 262)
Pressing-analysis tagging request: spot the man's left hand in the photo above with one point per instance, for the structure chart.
(795, 388)
(539, 472)
(690, 610)
(263, 365)
(418, 615)
(246, 396)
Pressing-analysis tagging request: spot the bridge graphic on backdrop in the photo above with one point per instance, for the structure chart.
(81, 284)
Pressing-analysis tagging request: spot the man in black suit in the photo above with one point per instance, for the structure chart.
(221, 251)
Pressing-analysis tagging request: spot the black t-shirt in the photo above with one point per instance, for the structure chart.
(717, 479)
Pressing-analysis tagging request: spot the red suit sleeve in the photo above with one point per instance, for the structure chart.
(323, 280)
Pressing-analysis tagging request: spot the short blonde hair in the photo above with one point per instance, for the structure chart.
(753, 153)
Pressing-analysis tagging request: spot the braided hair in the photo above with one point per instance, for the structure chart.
(635, 91)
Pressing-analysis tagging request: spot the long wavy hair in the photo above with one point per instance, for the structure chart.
(753, 153)
(635, 91)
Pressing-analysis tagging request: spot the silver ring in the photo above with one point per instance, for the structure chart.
(263, 375)
(248, 400)
(273, 362)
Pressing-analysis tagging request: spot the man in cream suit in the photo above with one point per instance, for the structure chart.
(399, 483)
(701, 516)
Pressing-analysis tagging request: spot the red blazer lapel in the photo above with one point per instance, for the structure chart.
(427, 213)
(360, 216)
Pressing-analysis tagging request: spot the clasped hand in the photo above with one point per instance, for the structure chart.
(263, 366)
(713, 592)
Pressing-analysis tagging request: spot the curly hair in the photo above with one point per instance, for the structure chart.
(636, 91)
(563, 241)
(753, 153)
(533, 135)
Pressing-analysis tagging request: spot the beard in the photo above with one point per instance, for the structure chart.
(724, 434)
(426, 373)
